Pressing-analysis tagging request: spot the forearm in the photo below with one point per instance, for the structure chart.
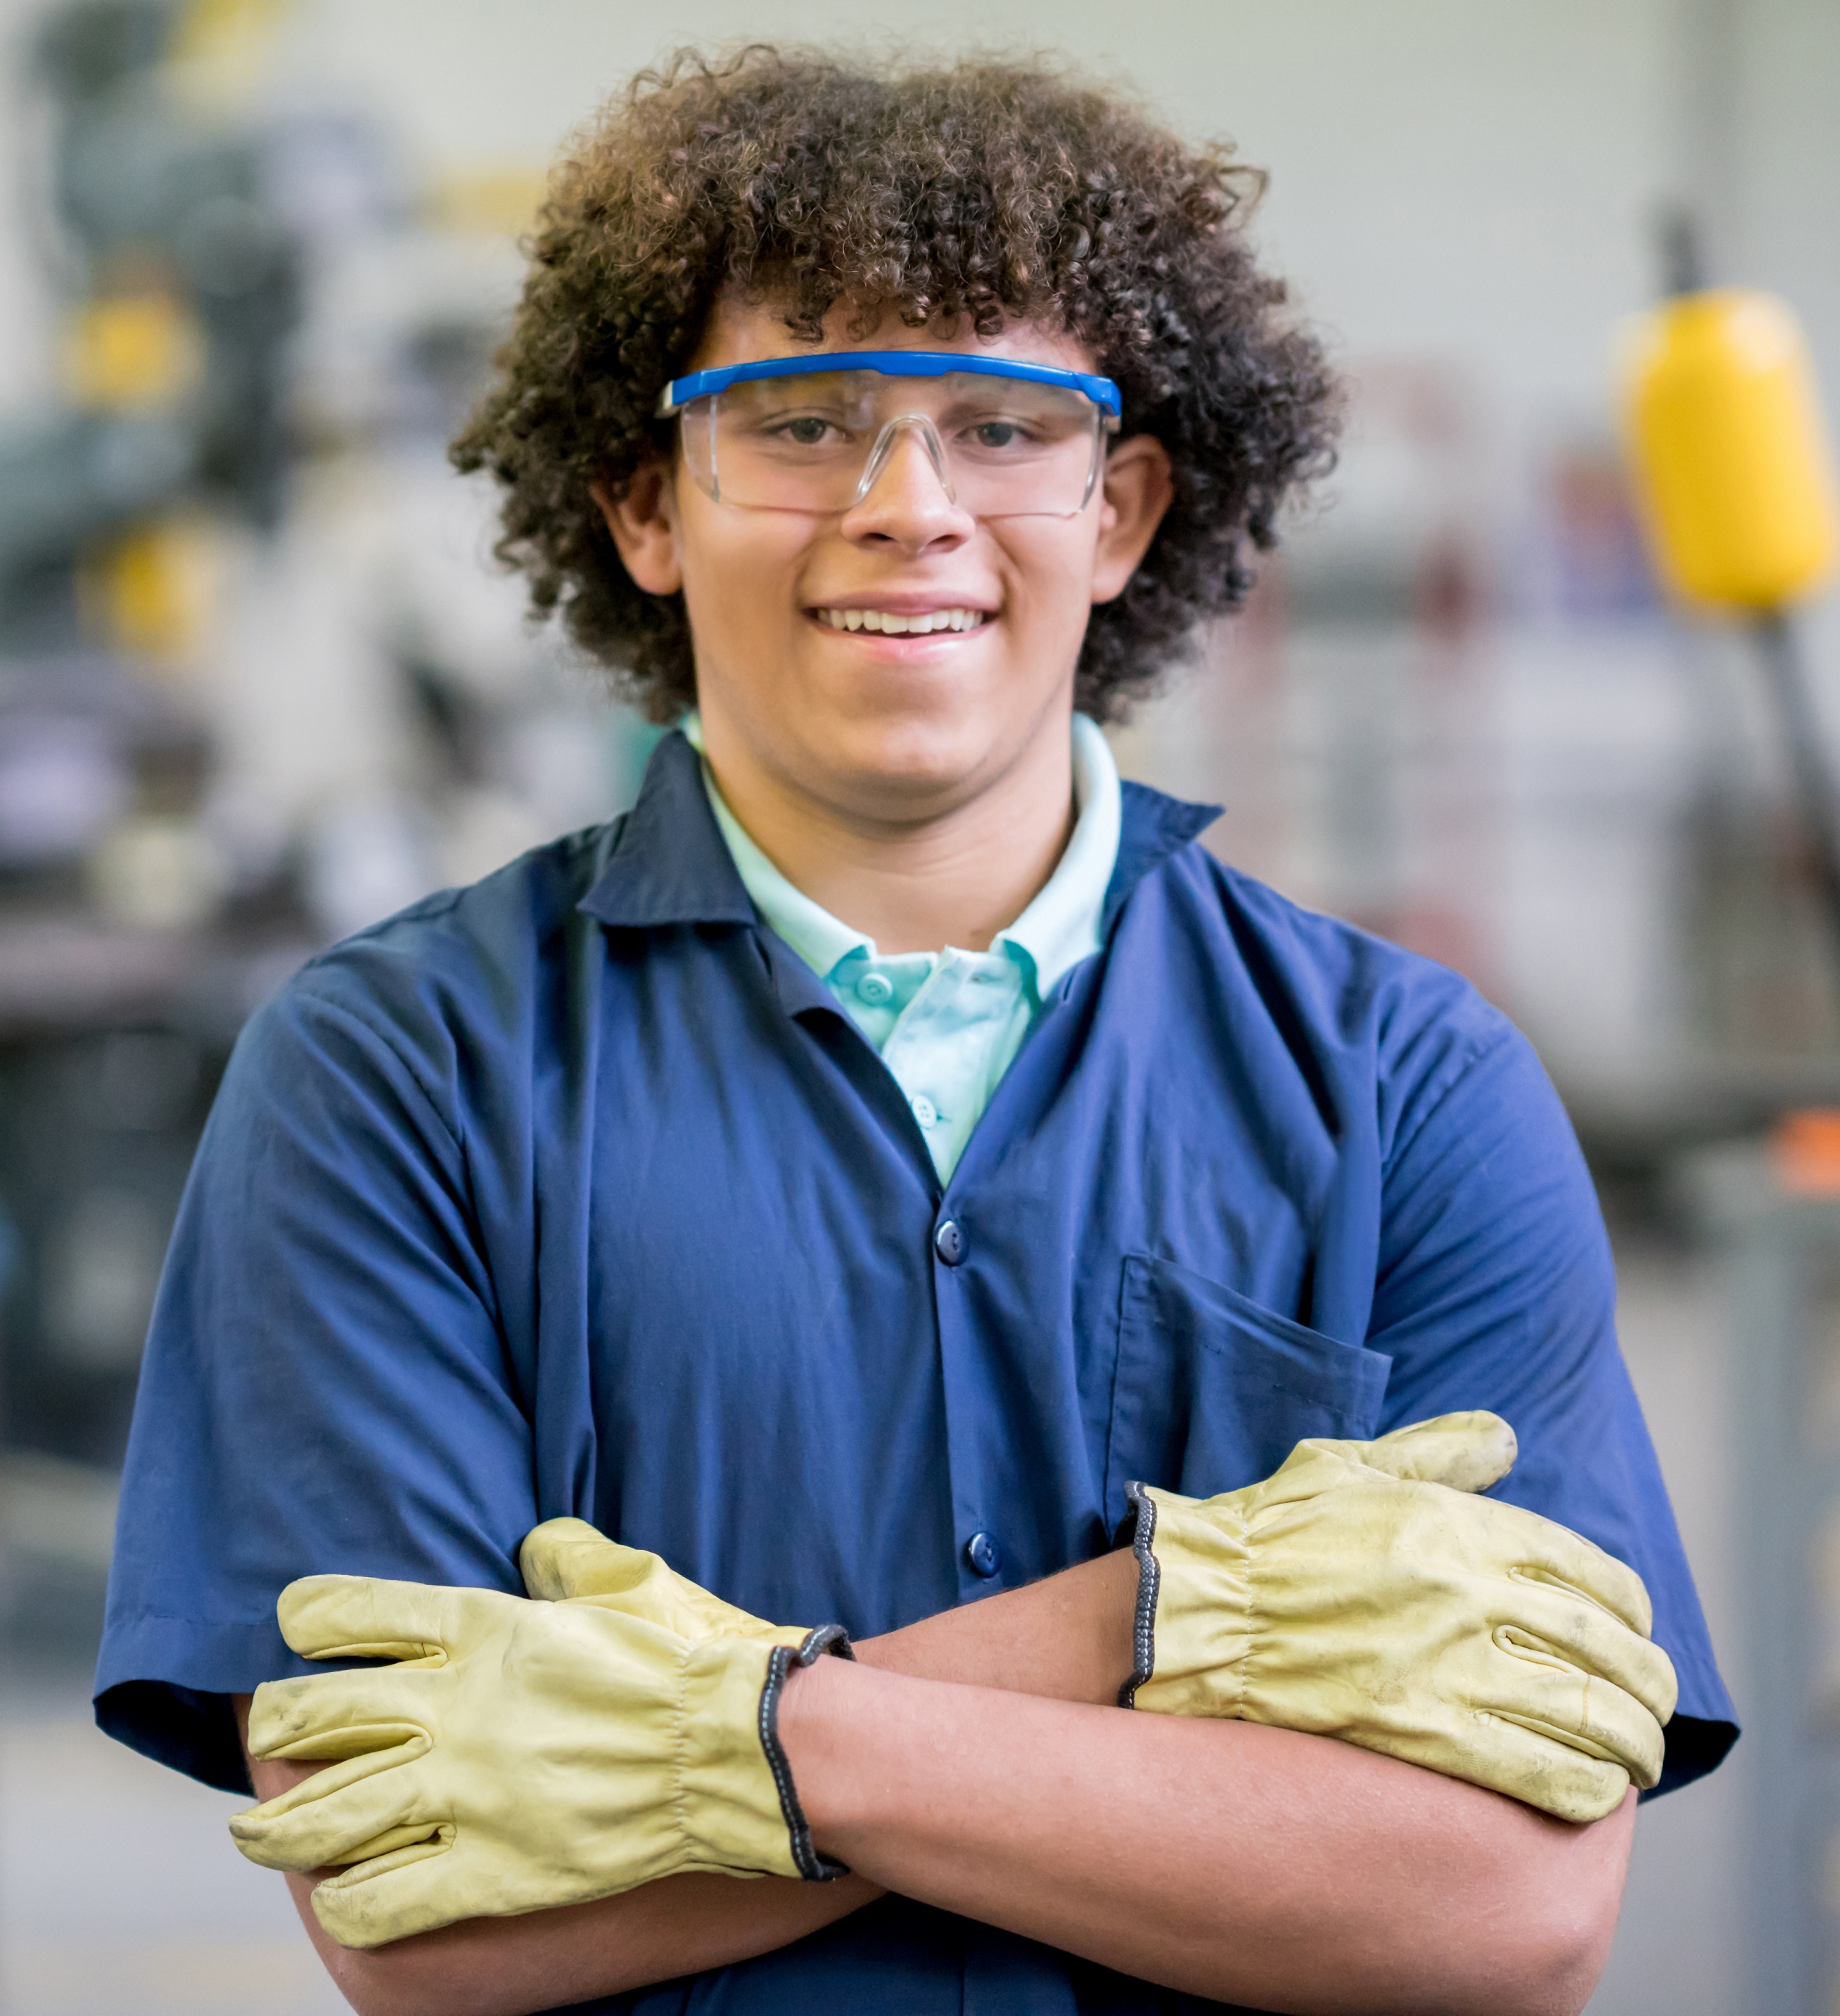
(552, 1959)
(1256, 1866)
(1069, 1634)
(1067, 1638)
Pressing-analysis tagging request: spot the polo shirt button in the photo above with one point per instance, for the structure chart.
(949, 1243)
(925, 1111)
(876, 988)
(983, 1553)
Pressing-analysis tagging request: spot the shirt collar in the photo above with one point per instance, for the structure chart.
(820, 939)
(1060, 927)
(669, 864)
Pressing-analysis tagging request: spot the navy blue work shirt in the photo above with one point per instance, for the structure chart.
(574, 1192)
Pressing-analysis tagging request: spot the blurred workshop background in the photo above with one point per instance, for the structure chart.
(259, 686)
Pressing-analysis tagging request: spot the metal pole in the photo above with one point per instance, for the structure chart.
(1816, 793)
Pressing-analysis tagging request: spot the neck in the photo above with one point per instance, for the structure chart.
(953, 874)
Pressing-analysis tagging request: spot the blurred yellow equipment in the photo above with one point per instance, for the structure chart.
(127, 352)
(1731, 461)
(487, 203)
(148, 593)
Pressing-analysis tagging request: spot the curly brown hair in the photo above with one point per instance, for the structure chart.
(969, 193)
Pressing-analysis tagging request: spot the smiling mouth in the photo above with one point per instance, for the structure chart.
(890, 623)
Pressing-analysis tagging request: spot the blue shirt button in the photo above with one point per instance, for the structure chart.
(948, 1243)
(925, 1111)
(983, 1553)
(876, 988)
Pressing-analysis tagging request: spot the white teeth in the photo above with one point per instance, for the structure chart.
(891, 624)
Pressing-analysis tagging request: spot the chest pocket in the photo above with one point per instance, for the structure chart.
(1214, 1391)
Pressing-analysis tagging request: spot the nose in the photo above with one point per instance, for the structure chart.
(906, 492)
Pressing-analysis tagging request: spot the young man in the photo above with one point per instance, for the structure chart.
(890, 1163)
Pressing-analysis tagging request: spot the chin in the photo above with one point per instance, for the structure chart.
(913, 761)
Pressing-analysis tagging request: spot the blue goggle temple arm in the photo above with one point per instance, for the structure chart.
(892, 364)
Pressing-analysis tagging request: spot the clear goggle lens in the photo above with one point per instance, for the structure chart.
(819, 442)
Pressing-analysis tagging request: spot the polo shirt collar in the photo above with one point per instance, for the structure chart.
(1061, 926)
(822, 940)
(668, 863)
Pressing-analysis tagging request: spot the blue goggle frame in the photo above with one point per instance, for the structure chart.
(892, 364)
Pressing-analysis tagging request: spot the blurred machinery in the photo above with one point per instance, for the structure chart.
(180, 283)
(1738, 497)
(259, 684)
(1736, 482)
(182, 278)
(1342, 716)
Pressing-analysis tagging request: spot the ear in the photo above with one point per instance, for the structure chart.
(1138, 490)
(643, 520)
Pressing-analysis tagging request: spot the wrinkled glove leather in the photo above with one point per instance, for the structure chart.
(519, 1755)
(1362, 1591)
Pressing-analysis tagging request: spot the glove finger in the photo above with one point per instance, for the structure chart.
(335, 1815)
(567, 1560)
(1552, 1622)
(360, 1617)
(1530, 1684)
(1541, 1550)
(1464, 1453)
(417, 1888)
(1467, 1451)
(326, 1716)
(567, 1557)
(1576, 1711)
(1526, 1764)
(1506, 1755)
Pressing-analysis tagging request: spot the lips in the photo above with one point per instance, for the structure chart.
(901, 623)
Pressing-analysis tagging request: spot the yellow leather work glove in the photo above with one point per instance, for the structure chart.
(521, 1755)
(567, 1560)
(1361, 1592)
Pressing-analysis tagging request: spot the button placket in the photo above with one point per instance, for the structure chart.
(980, 1558)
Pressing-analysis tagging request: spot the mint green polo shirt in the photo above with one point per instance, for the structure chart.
(948, 1024)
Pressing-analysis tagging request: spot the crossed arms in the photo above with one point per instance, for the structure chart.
(975, 1761)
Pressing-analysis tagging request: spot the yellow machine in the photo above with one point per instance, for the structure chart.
(1732, 472)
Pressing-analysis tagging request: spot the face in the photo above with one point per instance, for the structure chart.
(890, 728)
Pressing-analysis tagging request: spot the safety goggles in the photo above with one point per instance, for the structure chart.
(813, 433)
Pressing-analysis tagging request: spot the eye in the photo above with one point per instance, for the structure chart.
(806, 431)
(997, 434)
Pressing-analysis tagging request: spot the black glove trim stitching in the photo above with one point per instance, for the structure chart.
(831, 1638)
(1141, 1520)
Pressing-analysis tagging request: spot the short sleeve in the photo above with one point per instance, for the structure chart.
(1495, 1290)
(325, 1387)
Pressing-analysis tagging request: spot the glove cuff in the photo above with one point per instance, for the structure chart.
(1136, 1530)
(831, 1638)
(1191, 1632)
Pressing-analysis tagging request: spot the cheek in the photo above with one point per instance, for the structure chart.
(738, 580)
(1051, 566)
